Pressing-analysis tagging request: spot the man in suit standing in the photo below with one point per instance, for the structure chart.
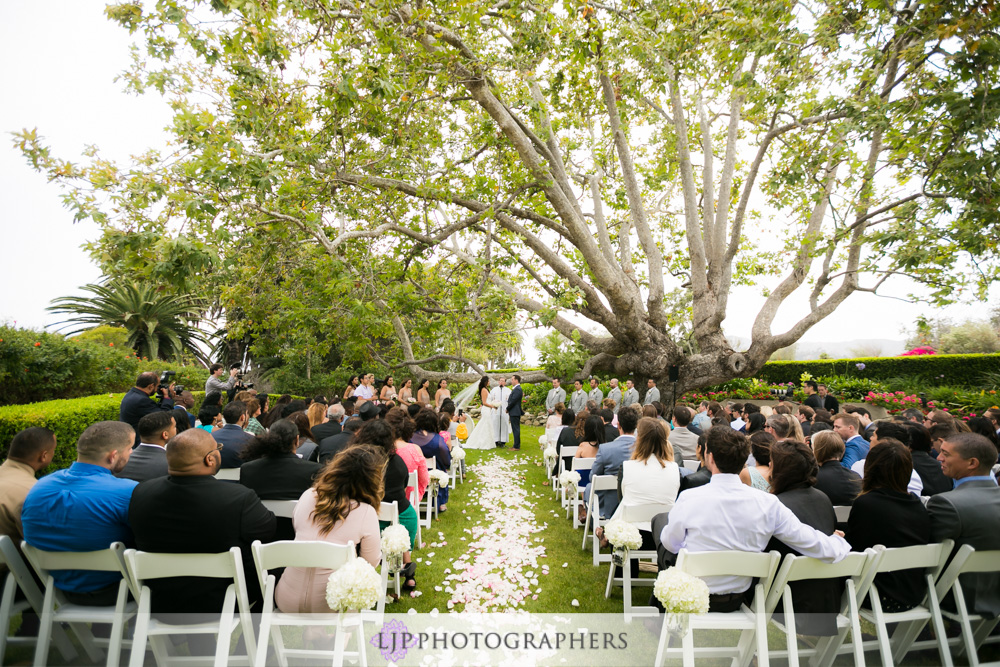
(610, 457)
(556, 395)
(615, 394)
(631, 395)
(149, 459)
(138, 402)
(830, 401)
(595, 394)
(231, 437)
(578, 400)
(652, 393)
(813, 400)
(514, 410)
(190, 511)
(970, 514)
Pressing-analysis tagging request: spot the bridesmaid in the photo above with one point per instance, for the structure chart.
(424, 394)
(441, 394)
(406, 393)
(388, 392)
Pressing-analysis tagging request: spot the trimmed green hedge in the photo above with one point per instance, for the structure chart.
(928, 370)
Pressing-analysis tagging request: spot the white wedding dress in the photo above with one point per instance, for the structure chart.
(483, 435)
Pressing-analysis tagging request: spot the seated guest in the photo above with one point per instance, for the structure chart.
(984, 427)
(307, 444)
(274, 414)
(567, 438)
(30, 450)
(316, 413)
(594, 435)
(865, 417)
(232, 437)
(703, 475)
(433, 446)
(804, 417)
(254, 427)
(190, 511)
(610, 423)
(149, 458)
(181, 422)
(380, 435)
(339, 508)
(969, 514)
(554, 420)
(329, 447)
(403, 427)
(756, 423)
(85, 508)
(332, 425)
(840, 485)
(138, 402)
(793, 476)
(886, 513)
(612, 455)
(855, 447)
(274, 472)
(579, 426)
(682, 439)
(725, 514)
(778, 426)
(759, 475)
(891, 430)
(650, 475)
(209, 420)
(185, 401)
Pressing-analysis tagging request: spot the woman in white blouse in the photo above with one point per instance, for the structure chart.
(651, 476)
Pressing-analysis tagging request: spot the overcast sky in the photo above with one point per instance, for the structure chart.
(61, 59)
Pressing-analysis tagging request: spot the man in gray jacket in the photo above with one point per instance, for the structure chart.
(610, 457)
(556, 395)
(215, 383)
(149, 457)
(595, 394)
(578, 401)
(970, 514)
(652, 393)
(631, 395)
(615, 394)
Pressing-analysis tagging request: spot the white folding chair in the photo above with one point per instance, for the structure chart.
(843, 512)
(55, 608)
(412, 482)
(640, 516)
(567, 452)
(432, 503)
(751, 622)
(324, 555)
(932, 558)
(19, 577)
(967, 561)
(597, 483)
(857, 568)
(228, 474)
(575, 502)
(692, 464)
(281, 508)
(144, 566)
(388, 512)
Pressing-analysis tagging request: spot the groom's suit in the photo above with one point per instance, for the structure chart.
(514, 411)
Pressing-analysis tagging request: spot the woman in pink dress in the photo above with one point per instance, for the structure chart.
(402, 426)
(339, 508)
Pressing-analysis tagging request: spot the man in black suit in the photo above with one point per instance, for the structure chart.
(830, 401)
(334, 413)
(925, 465)
(970, 514)
(190, 511)
(812, 398)
(329, 447)
(149, 458)
(514, 410)
(610, 430)
(840, 484)
(232, 437)
(138, 402)
(703, 475)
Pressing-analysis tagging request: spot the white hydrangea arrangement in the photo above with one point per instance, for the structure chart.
(550, 454)
(355, 586)
(680, 594)
(570, 479)
(439, 478)
(543, 440)
(457, 454)
(395, 542)
(623, 534)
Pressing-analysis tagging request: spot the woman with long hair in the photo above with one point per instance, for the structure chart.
(756, 423)
(388, 392)
(484, 434)
(274, 414)
(433, 446)
(341, 507)
(406, 392)
(594, 435)
(403, 427)
(307, 444)
(316, 414)
(424, 394)
(441, 393)
(759, 475)
(352, 384)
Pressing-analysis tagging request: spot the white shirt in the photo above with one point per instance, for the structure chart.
(728, 515)
(647, 482)
(916, 485)
(364, 391)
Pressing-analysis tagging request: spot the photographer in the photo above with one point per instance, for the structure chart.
(215, 384)
(138, 402)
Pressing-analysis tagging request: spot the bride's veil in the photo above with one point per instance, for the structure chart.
(464, 397)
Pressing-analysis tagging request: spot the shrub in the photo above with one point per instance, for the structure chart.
(925, 370)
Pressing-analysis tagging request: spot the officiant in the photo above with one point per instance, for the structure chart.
(501, 426)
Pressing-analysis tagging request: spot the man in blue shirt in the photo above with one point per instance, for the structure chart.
(85, 508)
(855, 447)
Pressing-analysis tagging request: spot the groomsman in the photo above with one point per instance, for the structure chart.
(631, 395)
(578, 400)
(556, 395)
(652, 393)
(595, 394)
(615, 394)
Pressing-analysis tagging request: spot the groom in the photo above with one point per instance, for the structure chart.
(514, 410)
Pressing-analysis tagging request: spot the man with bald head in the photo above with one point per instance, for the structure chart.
(190, 511)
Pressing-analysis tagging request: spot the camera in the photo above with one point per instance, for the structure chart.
(166, 375)
(782, 394)
(178, 388)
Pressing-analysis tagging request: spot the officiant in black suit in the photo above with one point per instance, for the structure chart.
(514, 410)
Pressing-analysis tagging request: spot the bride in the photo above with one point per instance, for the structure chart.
(483, 436)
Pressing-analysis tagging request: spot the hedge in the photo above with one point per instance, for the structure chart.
(970, 370)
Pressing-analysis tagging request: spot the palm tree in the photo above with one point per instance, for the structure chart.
(159, 325)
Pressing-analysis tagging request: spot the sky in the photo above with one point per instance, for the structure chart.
(62, 59)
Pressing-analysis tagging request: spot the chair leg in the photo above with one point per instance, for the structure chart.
(226, 629)
(279, 647)
(968, 641)
(265, 635)
(6, 611)
(687, 648)
(938, 622)
(983, 631)
(857, 643)
(138, 655)
(45, 627)
(338, 642)
(161, 650)
(760, 630)
(626, 587)
(362, 647)
(881, 631)
(586, 528)
(791, 638)
(611, 578)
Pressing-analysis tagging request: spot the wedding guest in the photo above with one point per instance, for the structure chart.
(855, 447)
(886, 513)
(433, 446)
(403, 428)
(307, 444)
(274, 414)
(612, 455)
(682, 439)
(650, 475)
(329, 447)
(208, 419)
(610, 423)
(232, 437)
(30, 450)
(331, 426)
(149, 458)
(316, 413)
(759, 475)
(566, 437)
(573, 438)
(341, 507)
(701, 476)
(839, 484)
(254, 427)
(756, 423)
(593, 436)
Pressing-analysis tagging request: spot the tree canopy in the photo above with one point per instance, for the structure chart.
(407, 177)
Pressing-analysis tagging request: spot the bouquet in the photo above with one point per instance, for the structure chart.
(354, 586)
(439, 478)
(395, 541)
(550, 454)
(680, 594)
(622, 536)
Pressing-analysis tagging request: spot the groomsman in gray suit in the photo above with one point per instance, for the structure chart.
(595, 394)
(578, 401)
(615, 394)
(149, 458)
(652, 393)
(556, 395)
(631, 395)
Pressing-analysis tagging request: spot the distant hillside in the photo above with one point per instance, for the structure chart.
(864, 347)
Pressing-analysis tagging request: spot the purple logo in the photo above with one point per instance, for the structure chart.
(393, 640)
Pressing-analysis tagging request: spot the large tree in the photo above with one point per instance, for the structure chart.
(600, 166)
